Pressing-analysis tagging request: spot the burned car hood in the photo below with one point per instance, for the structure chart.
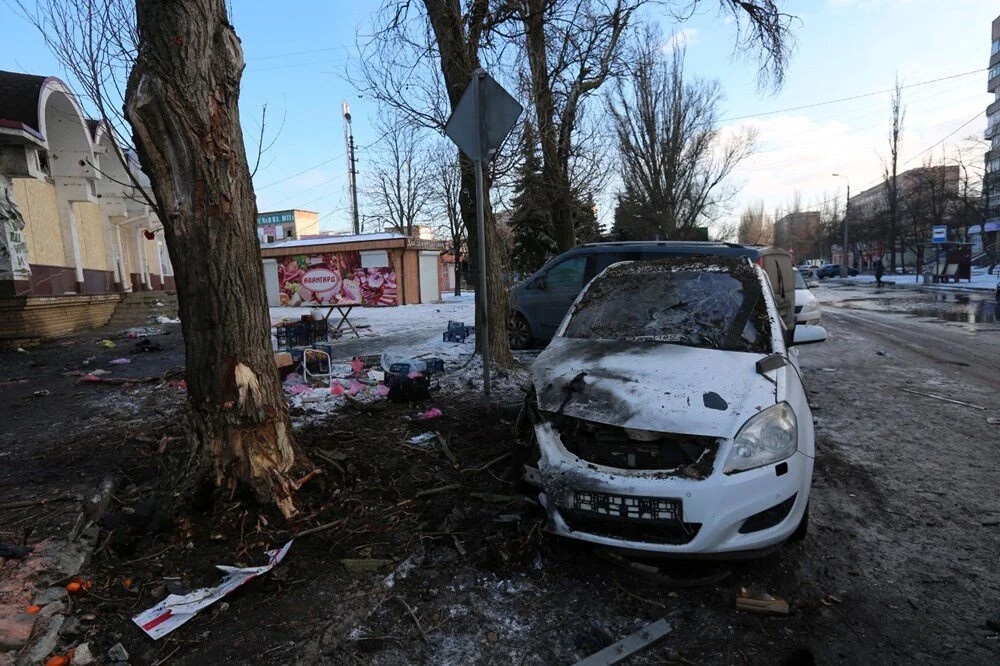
(651, 385)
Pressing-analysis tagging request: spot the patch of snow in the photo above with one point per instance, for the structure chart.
(163, 319)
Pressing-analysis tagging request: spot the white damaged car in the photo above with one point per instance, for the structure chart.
(669, 412)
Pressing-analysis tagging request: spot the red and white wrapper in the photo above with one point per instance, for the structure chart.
(177, 609)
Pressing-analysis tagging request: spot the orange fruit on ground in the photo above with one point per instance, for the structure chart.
(32, 609)
(57, 660)
(73, 587)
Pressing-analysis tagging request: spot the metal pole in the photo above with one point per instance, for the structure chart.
(354, 187)
(483, 329)
(847, 214)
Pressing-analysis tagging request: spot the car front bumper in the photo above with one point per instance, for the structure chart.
(712, 509)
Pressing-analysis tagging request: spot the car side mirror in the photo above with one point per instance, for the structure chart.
(807, 335)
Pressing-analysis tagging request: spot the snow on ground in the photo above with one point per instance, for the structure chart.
(981, 281)
(387, 320)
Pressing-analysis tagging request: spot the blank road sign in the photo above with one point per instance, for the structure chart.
(500, 112)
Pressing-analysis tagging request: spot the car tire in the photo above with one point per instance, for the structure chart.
(518, 332)
(803, 529)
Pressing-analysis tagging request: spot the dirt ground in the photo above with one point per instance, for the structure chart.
(900, 565)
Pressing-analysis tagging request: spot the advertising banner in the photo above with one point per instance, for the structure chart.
(334, 278)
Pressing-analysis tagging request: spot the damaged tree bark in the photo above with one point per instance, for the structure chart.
(182, 101)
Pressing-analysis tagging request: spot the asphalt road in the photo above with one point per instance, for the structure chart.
(905, 509)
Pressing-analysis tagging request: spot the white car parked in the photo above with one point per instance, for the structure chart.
(806, 306)
(670, 415)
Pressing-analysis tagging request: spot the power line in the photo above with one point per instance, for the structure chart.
(852, 97)
(947, 136)
(306, 170)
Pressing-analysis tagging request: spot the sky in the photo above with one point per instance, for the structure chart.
(297, 57)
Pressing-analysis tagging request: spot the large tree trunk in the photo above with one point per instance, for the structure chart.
(182, 102)
(459, 59)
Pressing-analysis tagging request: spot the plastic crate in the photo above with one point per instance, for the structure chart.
(300, 333)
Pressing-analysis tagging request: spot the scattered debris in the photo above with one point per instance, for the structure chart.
(175, 610)
(424, 438)
(120, 361)
(41, 394)
(761, 602)
(162, 319)
(628, 645)
(108, 344)
(943, 399)
(118, 653)
(431, 413)
(146, 346)
(82, 655)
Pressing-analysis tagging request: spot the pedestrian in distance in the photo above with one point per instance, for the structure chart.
(879, 271)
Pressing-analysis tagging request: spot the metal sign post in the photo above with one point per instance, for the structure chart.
(477, 91)
(482, 119)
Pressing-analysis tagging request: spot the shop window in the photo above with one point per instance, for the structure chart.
(374, 259)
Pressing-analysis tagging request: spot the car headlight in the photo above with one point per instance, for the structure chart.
(769, 436)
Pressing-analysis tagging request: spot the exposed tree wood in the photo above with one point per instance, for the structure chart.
(182, 101)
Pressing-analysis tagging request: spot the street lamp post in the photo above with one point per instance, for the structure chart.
(847, 209)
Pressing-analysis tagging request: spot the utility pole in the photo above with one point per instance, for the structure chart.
(847, 215)
(352, 171)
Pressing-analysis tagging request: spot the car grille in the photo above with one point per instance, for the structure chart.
(672, 532)
(690, 455)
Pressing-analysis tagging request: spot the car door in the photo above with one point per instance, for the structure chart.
(556, 289)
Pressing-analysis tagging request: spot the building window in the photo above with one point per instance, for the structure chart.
(994, 71)
(996, 47)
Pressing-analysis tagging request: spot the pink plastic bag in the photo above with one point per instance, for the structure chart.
(382, 390)
(336, 388)
(357, 367)
(431, 413)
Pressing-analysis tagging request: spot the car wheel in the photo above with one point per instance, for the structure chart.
(800, 532)
(518, 332)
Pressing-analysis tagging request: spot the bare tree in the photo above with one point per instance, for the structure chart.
(401, 175)
(755, 227)
(419, 63)
(890, 170)
(445, 185)
(675, 162)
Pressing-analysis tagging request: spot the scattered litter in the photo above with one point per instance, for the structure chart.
(431, 413)
(425, 438)
(22, 350)
(297, 389)
(382, 390)
(175, 610)
(943, 399)
(830, 600)
(118, 653)
(457, 332)
(761, 602)
(162, 319)
(109, 344)
(41, 394)
(100, 371)
(141, 332)
(404, 568)
(628, 645)
(120, 361)
(145, 345)
(357, 366)
(87, 360)
(336, 388)
(828, 369)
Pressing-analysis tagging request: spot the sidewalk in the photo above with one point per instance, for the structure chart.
(981, 281)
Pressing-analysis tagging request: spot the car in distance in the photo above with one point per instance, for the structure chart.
(669, 413)
(806, 306)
